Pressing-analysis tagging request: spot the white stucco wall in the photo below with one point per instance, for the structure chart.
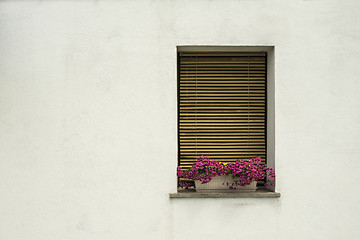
(88, 144)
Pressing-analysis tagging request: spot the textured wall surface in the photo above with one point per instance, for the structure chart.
(88, 135)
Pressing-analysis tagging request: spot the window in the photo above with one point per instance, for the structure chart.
(223, 104)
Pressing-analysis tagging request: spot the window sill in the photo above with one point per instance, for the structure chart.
(259, 193)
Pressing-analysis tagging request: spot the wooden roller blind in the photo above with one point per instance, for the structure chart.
(222, 106)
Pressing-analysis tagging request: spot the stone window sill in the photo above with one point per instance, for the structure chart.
(261, 192)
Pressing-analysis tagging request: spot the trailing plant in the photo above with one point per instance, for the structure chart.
(243, 172)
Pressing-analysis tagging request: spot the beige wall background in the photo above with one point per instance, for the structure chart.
(88, 136)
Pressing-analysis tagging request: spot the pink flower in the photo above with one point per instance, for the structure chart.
(247, 171)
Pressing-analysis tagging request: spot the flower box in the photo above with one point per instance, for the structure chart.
(220, 184)
(214, 176)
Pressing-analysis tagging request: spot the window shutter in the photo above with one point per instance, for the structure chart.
(222, 106)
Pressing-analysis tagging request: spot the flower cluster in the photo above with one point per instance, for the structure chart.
(243, 171)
